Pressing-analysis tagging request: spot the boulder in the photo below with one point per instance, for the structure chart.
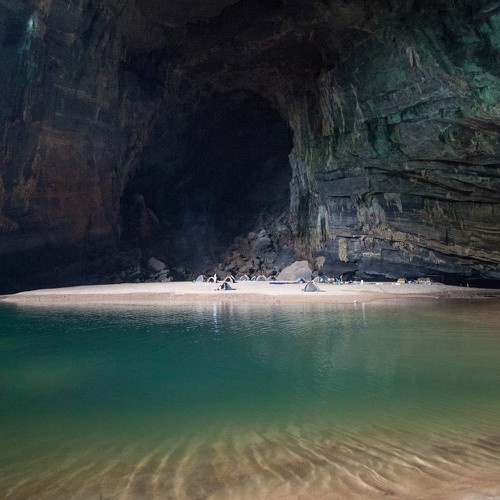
(162, 276)
(298, 270)
(155, 265)
(133, 277)
(261, 244)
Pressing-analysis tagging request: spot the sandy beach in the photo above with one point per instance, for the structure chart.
(257, 292)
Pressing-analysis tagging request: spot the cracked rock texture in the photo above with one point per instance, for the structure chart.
(372, 125)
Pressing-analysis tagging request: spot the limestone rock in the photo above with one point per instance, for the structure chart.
(319, 262)
(155, 265)
(375, 136)
(296, 271)
(261, 244)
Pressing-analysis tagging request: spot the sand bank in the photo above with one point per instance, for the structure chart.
(259, 292)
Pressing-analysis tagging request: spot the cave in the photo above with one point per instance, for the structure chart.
(241, 136)
(226, 175)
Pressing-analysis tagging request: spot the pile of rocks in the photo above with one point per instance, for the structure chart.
(158, 271)
(265, 252)
(130, 266)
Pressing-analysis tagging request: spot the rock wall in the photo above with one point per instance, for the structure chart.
(393, 107)
(405, 153)
(395, 114)
(74, 116)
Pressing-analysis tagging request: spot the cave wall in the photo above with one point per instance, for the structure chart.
(428, 196)
(74, 116)
(395, 114)
(405, 148)
(393, 107)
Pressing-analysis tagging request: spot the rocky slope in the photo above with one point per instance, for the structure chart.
(363, 136)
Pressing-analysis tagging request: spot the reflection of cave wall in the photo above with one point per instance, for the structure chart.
(211, 182)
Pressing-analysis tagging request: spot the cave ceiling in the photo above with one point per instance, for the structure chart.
(173, 13)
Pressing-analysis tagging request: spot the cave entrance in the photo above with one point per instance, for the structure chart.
(208, 177)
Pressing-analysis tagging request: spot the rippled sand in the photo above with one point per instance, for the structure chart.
(418, 419)
(288, 464)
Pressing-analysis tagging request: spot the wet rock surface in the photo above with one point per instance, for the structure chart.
(363, 134)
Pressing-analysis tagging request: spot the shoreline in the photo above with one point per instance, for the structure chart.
(244, 292)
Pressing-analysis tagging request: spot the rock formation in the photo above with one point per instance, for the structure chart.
(368, 129)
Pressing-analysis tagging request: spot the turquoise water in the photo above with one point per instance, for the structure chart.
(237, 401)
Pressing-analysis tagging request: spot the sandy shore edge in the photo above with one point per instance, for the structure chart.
(257, 292)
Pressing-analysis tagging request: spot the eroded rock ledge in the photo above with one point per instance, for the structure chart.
(369, 130)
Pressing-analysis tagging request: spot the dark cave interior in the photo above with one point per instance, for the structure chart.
(209, 180)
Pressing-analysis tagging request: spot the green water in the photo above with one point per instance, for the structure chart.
(236, 401)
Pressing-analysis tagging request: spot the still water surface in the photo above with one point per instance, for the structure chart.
(246, 401)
